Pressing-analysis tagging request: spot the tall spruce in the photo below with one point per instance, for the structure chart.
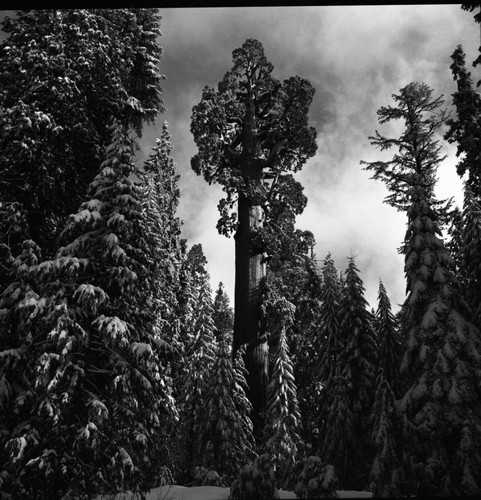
(250, 134)
(441, 407)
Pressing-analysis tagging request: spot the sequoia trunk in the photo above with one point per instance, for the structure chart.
(249, 272)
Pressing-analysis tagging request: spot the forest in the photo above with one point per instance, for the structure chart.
(123, 369)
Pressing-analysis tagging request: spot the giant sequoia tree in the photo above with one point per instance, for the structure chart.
(250, 133)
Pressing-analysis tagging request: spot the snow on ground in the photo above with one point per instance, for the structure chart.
(174, 492)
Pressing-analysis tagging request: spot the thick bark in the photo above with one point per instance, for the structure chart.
(249, 272)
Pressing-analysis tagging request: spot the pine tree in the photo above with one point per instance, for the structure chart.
(283, 420)
(390, 348)
(441, 406)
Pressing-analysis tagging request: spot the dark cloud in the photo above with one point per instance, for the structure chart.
(356, 57)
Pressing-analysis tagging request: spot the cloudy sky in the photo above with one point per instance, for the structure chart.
(356, 57)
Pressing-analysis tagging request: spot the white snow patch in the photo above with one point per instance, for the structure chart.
(175, 492)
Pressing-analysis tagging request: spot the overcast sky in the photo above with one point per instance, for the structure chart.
(356, 57)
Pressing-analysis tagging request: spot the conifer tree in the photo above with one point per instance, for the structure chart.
(329, 341)
(223, 315)
(441, 406)
(385, 474)
(64, 75)
(390, 348)
(99, 385)
(340, 445)
(471, 254)
(326, 345)
(358, 359)
(198, 356)
(283, 420)
(257, 131)
(162, 232)
(454, 244)
(465, 129)
(225, 440)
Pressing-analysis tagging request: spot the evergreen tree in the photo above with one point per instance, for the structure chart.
(471, 254)
(225, 440)
(340, 445)
(454, 244)
(198, 356)
(390, 348)
(350, 382)
(283, 420)
(223, 315)
(384, 476)
(162, 232)
(64, 75)
(323, 352)
(465, 129)
(441, 406)
(99, 395)
(329, 341)
(257, 128)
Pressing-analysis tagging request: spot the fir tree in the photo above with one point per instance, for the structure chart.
(349, 369)
(358, 358)
(384, 476)
(64, 75)
(225, 440)
(326, 346)
(100, 389)
(390, 348)
(340, 444)
(283, 420)
(223, 315)
(471, 254)
(465, 130)
(198, 349)
(329, 342)
(441, 406)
